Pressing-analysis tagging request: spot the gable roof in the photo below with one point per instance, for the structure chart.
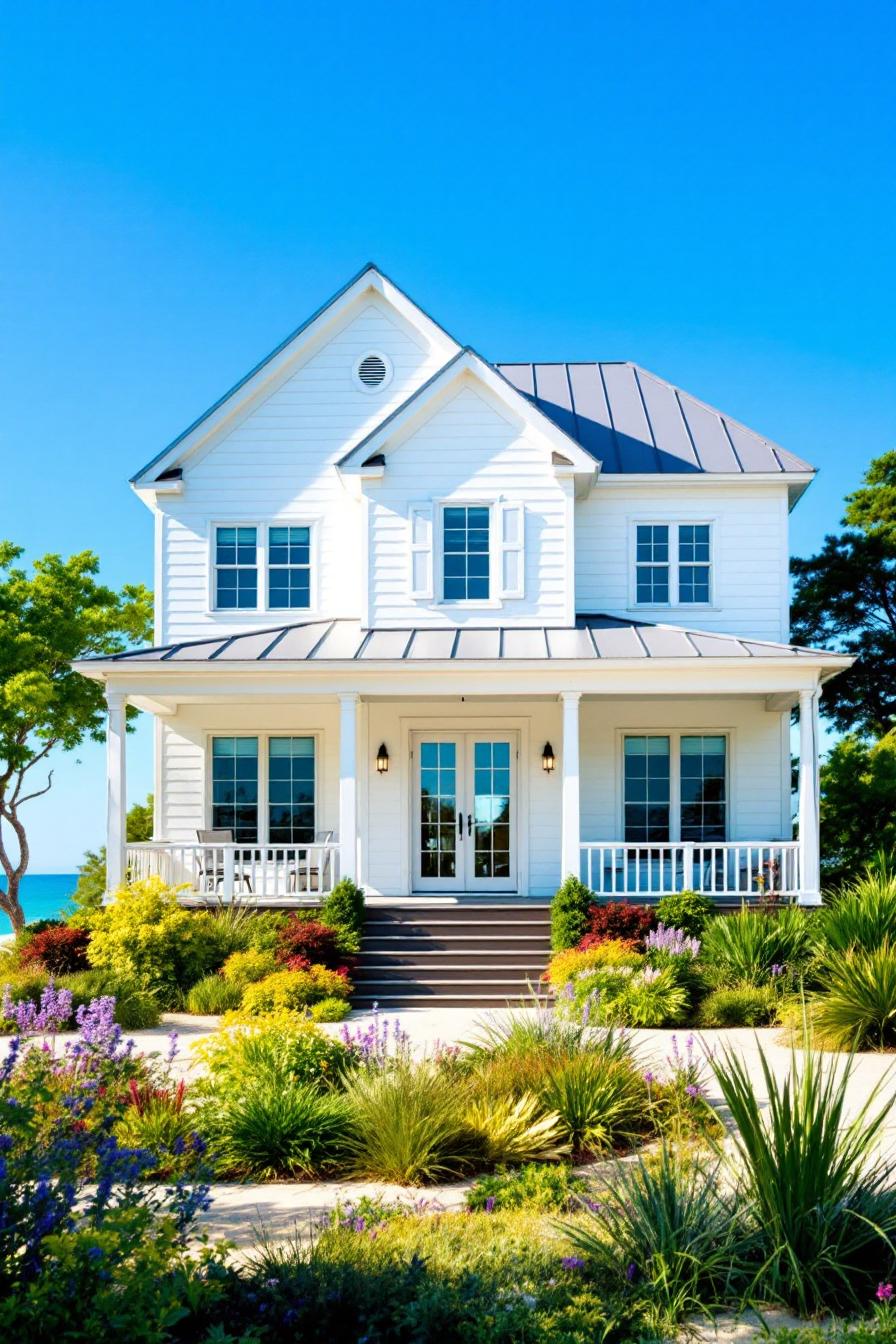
(593, 638)
(634, 422)
(467, 360)
(370, 276)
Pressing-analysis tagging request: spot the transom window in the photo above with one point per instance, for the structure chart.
(289, 567)
(266, 796)
(673, 564)
(465, 541)
(675, 788)
(236, 568)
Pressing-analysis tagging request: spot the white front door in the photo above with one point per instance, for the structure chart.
(464, 830)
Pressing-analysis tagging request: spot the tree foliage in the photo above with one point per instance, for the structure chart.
(858, 806)
(845, 598)
(49, 618)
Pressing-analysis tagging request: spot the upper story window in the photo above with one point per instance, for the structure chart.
(236, 568)
(258, 568)
(673, 564)
(289, 567)
(465, 552)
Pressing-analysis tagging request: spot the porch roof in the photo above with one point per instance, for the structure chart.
(594, 637)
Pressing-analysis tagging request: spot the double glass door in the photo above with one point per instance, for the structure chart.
(464, 830)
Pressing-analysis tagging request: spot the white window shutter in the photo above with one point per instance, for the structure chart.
(420, 576)
(511, 550)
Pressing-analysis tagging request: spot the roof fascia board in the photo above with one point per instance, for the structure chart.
(311, 332)
(468, 362)
(797, 482)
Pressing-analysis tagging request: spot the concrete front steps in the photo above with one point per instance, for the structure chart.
(469, 954)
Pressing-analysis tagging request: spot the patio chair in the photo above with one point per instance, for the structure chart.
(210, 866)
(314, 877)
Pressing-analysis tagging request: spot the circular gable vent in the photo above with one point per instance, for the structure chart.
(373, 371)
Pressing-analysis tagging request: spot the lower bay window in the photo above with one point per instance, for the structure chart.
(263, 789)
(675, 788)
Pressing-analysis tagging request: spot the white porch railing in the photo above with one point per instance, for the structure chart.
(232, 869)
(738, 869)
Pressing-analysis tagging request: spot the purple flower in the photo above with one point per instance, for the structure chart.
(692, 1090)
(671, 942)
(574, 1262)
(631, 1271)
(172, 1046)
(47, 1017)
(777, 970)
(884, 1292)
(649, 1077)
(490, 1204)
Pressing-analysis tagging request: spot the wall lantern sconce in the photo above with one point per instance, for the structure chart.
(382, 759)
(547, 758)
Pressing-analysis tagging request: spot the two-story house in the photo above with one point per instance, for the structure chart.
(458, 628)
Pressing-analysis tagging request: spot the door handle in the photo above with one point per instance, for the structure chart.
(469, 823)
(460, 825)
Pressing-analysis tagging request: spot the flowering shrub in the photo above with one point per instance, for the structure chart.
(663, 946)
(44, 1018)
(618, 919)
(378, 1045)
(625, 996)
(59, 950)
(567, 965)
(282, 1047)
(293, 991)
(311, 940)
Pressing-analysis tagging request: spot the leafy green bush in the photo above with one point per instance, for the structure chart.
(666, 1224)
(145, 937)
(742, 949)
(740, 1006)
(687, 910)
(515, 1129)
(262, 930)
(329, 1010)
(136, 1009)
(407, 1125)
(267, 1131)
(291, 991)
(246, 968)
(343, 908)
(549, 1188)
(857, 1005)
(822, 1206)
(620, 996)
(567, 965)
(601, 1101)
(569, 913)
(284, 1050)
(213, 995)
(862, 915)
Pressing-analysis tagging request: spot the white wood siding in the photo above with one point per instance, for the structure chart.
(469, 451)
(276, 464)
(750, 540)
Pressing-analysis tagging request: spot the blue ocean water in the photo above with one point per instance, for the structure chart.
(43, 895)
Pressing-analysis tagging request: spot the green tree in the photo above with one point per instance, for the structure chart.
(858, 805)
(47, 619)
(845, 598)
(91, 888)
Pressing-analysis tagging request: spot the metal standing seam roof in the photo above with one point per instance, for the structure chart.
(593, 638)
(633, 421)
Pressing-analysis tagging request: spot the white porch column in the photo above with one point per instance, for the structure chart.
(808, 812)
(116, 789)
(570, 854)
(348, 785)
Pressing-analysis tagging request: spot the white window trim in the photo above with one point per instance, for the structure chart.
(263, 739)
(490, 603)
(262, 543)
(675, 735)
(673, 524)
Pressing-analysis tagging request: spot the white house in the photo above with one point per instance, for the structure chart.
(452, 627)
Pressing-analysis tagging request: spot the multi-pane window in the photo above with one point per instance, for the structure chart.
(703, 800)
(647, 783)
(438, 809)
(693, 562)
(652, 563)
(291, 790)
(673, 564)
(236, 567)
(235, 786)
(491, 809)
(289, 567)
(465, 541)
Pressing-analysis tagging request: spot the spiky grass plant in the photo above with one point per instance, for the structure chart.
(601, 1101)
(270, 1131)
(862, 914)
(666, 1227)
(408, 1124)
(741, 949)
(518, 1129)
(821, 1201)
(857, 1006)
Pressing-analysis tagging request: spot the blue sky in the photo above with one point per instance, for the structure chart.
(706, 189)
